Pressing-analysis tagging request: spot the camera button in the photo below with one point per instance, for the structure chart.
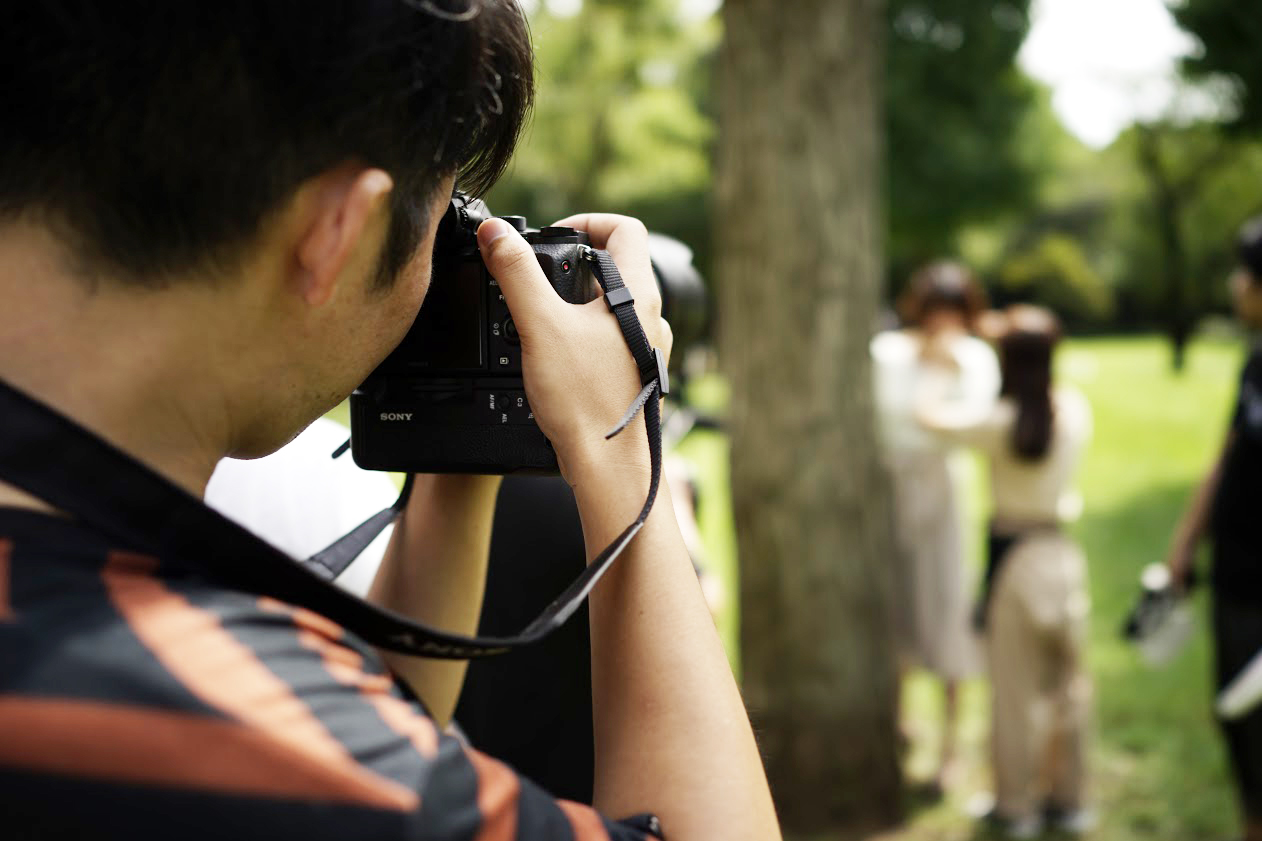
(502, 408)
(519, 410)
(510, 331)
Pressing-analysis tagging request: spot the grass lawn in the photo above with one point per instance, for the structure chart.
(1157, 765)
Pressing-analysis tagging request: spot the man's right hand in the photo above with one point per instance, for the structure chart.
(672, 734)
(579, 373)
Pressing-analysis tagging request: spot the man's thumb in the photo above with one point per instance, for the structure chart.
(512, 262)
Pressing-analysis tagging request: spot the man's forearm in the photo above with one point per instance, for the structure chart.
(1195, 520)
(434, 570)
(672, 734)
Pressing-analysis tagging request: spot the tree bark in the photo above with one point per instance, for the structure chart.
(799, 271)
(1168, 207)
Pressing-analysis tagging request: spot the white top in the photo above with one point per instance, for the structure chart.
(900, 376)
(300, 499)
(1026, 491)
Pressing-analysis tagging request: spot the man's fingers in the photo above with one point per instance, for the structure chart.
(610, 231)
(512, 262)
(627, 241)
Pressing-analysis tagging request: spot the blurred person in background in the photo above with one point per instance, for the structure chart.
(1035, 605)
(1225, 508)
(936, 351)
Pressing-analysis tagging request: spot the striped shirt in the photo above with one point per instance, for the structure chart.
(139, 699)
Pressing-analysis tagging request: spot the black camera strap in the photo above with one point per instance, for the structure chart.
(55, 459)
(332, 560)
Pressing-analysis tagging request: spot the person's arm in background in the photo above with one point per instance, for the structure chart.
(1195, 520)
(973, 419)
(954, 424)
(434, 571)
(672, 734)
(960, 409)
(980, 378)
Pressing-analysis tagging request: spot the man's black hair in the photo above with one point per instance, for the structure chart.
(1249, 247)
(156, 137)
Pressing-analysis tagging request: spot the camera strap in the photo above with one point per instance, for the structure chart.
(53, 458)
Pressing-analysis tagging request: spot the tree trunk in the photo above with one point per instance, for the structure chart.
(1168, 206)
(799, 273)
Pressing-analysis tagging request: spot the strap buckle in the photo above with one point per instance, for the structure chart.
(663, 375)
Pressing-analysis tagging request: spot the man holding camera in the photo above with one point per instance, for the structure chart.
(215, 221)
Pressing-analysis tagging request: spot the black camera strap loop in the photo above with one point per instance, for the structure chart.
(67, 466)
(650, 360)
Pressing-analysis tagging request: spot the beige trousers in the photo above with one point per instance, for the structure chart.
(1041, 693)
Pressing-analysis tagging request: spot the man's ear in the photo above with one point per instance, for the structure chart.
(342, 207)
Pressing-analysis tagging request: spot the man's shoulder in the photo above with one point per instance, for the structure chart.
(149, 696)
(126, 671)
(92, 622)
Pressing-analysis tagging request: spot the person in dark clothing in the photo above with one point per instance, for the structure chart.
(1225, 509)
(536, 550)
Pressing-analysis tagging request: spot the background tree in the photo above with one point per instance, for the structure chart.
(798, 234)
(1171, 192)
(621, 120)
(1230, 32)
(1173, 220)
(626, 112)
(956, 108)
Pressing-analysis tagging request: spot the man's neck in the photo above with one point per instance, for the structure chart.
(114, 360)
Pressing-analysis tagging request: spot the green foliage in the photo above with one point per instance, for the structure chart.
(1096, 244)
(1056, 273)
(1230, 32)
(956, 110)
(620, 121)
(1213, 184)
(625, 120)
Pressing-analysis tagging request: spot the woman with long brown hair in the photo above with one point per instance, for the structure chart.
(1035, 608)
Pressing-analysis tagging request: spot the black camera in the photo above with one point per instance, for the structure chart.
(450, 397)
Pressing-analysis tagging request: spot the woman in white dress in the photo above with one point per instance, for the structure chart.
(935, 351)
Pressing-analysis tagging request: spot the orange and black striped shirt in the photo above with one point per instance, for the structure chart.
(139, 699)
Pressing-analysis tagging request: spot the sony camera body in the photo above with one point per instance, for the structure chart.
(450, 398)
